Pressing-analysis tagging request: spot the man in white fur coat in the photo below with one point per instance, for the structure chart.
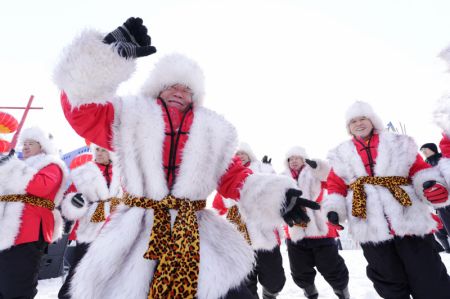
(268, 269)
(94, 194)
(383, 188)
(30, 192)
(313, 244)
(172, 153)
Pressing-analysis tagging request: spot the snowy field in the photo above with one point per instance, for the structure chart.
(360, 286)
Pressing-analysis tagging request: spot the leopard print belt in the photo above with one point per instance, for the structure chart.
(99, 214)
(392, 183)
(178, 251)
(29, 199)
(234, 216)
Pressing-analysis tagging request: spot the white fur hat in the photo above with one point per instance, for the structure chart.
(38, 135)
(295, 151)
(245, 147)
(358, 109)
(175, 69)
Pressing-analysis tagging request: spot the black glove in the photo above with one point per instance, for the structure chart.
(311, 163)
(266, 160)
(295, 210)
(78, 200)
(5, 159)
(131, 39)
(333, 218)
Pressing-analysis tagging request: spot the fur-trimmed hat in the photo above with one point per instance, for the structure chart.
(245, 147)
(358, 109)
(37, 134)
(176, 69)
(295, 151)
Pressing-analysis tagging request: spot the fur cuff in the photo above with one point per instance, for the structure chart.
(427, 175)
(90, 71)
(441, 114)
(336, 203)
(58, 227)
(71, 212)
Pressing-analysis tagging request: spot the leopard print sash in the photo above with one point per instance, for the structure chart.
(178, 251)
(99, 214)
(392, 183)
(234, 216)
(29, 199)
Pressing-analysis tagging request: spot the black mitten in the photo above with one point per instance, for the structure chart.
(333, 218)
(267, 160)
(295, 209)
(78, 200)
(8, 157)
(311, 163)
(131, 39)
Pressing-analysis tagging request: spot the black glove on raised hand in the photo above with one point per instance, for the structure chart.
(311, 163)
(131, 39)
(295, 210)
(333, 218)
(5, 159)
(78, 200)
(267, 160)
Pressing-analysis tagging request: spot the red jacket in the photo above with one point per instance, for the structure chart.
(45, 184)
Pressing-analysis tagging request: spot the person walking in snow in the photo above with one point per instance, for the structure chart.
(30, 192)
(94, 194)
(172, 153)
(382, 187)
(268, 269)
(313, 245)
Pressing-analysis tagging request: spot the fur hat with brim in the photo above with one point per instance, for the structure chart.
(295, 151)
(176, 69)
(359, 109)
(245, 147)
(38, 135)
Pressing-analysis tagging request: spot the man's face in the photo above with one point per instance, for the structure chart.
(177, 96)
(427, 152)
(31, 148)
(296, 162)
(101, 156)
(243, 156)
(360, 127)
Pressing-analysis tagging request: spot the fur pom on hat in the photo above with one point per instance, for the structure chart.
(176, 69)
(295, 151)
(358, 109)
(38, 135)
(245, 147)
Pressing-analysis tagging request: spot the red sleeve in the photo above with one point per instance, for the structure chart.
(336, 184)
(418, 165)
(46, 182)
(444, 145)
(90, 121)
(218, 204)
(232, 181)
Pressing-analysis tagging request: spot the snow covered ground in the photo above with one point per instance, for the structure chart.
(360, 286)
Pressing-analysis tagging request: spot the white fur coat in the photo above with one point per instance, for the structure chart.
(15, 175)
(114, 267)
(396, 155)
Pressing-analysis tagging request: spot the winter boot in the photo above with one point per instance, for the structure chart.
(342, 294)
(311, 292)
(268, 295)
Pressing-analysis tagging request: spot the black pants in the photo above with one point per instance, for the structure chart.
(19, 269)
(444, 214)
(242, 292)
(268, 271)
(407, 266)
(323, 254)
(80, 251)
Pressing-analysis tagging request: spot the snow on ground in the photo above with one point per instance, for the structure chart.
(360, 286)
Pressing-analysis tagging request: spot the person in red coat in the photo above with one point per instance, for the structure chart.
(30, 192)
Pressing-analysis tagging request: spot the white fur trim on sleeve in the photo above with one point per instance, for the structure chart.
(444, 168)
(71, 212)
(15, 176)
(441, 113)
(322, 170)
(336, 203)
(90, 71)
(58, 227)
(427, 175)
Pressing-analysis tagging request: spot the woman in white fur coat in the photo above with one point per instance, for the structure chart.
(94, 194)
(313, 245)
(172, 153)
(30, 192)
(383, 188)
(268, 269)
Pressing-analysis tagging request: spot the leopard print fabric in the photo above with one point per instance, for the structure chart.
(29, 199)
(234, 216)
(99, 214)
(392, 183)
(178, 251)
